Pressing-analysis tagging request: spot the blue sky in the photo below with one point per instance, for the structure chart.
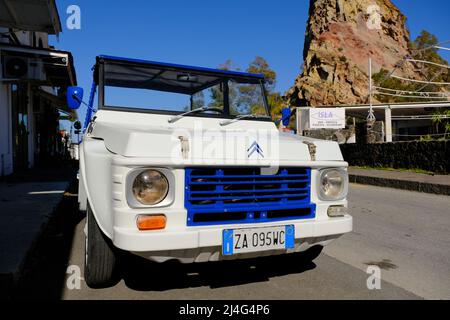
(207, 33)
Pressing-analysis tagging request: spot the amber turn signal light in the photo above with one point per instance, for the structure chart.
(151, 222)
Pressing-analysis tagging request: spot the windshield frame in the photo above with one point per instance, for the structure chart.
(225, 76)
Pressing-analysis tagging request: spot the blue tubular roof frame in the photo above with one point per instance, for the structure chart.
(226, 73)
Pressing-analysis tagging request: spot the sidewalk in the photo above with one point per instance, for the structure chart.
(25, 208)
(438, 184)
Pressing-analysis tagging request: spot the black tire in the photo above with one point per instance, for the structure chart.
(311, 254)
(100, 265)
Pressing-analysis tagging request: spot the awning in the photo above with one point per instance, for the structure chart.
(398, 110)
(30, 15)
(40, 66)
(58, 102)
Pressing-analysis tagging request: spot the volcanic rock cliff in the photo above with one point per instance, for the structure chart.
(340, 37)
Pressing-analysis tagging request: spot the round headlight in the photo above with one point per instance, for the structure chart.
(333, 184)
(150, 187)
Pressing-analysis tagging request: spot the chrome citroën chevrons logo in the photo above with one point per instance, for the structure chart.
(255, 148)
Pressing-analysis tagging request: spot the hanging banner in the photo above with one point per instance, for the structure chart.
(327, 118)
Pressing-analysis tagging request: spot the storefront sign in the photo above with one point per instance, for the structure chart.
(327, 118)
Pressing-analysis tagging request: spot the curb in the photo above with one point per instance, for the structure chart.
(9, 281)
(440, 189)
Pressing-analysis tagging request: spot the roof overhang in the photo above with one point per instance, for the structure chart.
(43, 66)
(30, 15)
(397, 109)
(58, 102)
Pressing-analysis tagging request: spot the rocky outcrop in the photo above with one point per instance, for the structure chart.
(340, 37)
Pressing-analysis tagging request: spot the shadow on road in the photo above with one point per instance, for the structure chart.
(44, 271)
(142, 275)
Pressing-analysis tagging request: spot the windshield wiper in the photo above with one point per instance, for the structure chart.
(242, 117)
(178, 117)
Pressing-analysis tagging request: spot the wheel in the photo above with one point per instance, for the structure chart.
(311, 254)
(100, 265)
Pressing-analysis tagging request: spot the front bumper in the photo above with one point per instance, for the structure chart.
(204, 244)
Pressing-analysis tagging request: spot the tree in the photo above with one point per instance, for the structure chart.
(381, 79)
(422, 48)
(275, 99)
(216, 92)
(245, 98)
(229, 65)
(276, 103)
(440, 122)
(198, 100)
(260, 65)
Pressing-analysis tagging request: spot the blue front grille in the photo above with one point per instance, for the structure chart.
(244, 195)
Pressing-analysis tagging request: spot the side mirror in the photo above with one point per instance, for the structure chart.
(77, 125)
(286, 116)
(74, 97)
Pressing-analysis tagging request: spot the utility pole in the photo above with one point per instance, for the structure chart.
(371, 116)
(370, 84)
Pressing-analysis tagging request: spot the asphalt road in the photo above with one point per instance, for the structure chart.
(406, 234)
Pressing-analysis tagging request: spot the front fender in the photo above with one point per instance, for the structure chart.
(82, 197)
(96, 179)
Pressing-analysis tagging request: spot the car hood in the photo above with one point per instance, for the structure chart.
(210, 141)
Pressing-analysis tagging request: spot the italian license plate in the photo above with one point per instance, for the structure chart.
(257, 239)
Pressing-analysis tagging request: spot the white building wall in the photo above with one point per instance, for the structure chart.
(3, 30)
(24, 37)
(6, 153)
(31, 125)
(44, 39)
(37, 39)
(6, 143)
(6, 157)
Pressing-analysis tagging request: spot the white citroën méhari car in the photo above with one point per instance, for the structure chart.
(185, 163)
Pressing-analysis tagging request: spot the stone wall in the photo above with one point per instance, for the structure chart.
(426, 155)
(339, 135)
